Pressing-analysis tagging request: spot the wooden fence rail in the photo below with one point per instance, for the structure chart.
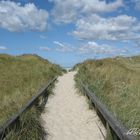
(118, 131)
(14, 120)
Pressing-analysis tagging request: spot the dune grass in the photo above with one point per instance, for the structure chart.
(20, 79)
(116, 82)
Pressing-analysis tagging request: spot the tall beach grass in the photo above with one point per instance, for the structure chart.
(116, 82)
(20, 78)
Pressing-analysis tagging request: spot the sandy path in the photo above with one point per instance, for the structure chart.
(67, 115)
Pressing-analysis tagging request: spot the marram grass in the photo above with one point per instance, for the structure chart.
(20, 78)
(116, 82)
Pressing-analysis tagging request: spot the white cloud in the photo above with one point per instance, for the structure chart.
(122, 27)
(63, 47)
(100, 49)
(44, 48)
(91, 48)
(97, 6)
(137, 4)
(58, 43)
(69, 10)
(43, 36)
(3, 48)
(15, 17)
(59, 47)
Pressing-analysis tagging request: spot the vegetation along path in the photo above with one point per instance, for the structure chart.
(67, 115)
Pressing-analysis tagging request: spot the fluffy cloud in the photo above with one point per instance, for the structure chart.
(43, 36)
(15, 17)
(3, 48)
(69, 10)
(59, 47)
(63, 47)
(44, 48)
(137, 4)
(122, 27)
(101, 49)
(90, 47)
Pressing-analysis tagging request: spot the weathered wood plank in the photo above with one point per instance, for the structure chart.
(14, 120)
(115, 125)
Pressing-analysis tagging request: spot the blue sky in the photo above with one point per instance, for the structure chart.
(68, 32)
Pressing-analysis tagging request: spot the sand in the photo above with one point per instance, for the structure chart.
(67, 115)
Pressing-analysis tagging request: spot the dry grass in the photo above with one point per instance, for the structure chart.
(20, 78)
(116, 82)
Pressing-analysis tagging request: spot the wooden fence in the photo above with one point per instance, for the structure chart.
(14, 121)
(117, 130)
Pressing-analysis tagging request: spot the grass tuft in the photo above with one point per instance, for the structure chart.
(116, 82)
(20, 79)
